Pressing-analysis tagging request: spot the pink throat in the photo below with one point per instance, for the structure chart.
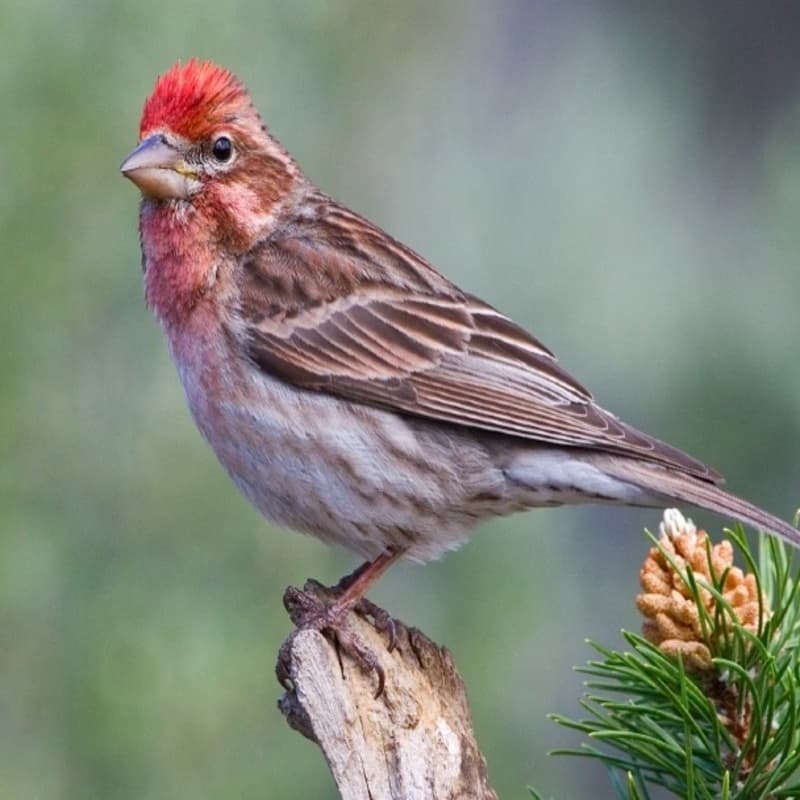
(179, 260)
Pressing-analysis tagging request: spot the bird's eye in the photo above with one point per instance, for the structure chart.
(222, 148)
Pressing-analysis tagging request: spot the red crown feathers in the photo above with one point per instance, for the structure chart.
(190, 98)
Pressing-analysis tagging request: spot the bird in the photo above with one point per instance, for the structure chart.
(350, 389)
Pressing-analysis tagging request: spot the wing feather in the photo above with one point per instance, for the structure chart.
(446, 357)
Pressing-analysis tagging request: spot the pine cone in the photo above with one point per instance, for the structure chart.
(672, 619)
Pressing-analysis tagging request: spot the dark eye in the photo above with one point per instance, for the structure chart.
(222, 149)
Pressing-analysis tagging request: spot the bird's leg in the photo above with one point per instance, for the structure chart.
(345, 582)
(355, 586)
(310, 611)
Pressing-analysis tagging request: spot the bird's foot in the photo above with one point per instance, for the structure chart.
(325, 609)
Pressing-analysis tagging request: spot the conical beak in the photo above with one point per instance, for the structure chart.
(159, 170)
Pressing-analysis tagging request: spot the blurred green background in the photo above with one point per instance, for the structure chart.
(623, 178)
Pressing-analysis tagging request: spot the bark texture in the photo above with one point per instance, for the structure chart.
(414, 742)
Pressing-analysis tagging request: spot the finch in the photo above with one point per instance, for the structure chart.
(351, 391)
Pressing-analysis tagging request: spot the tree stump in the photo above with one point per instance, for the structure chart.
(413, 742)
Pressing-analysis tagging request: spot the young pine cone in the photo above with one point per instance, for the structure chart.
(672, 620)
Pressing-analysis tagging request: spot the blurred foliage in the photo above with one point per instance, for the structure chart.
(570, 163)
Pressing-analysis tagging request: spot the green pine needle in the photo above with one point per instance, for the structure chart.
(652, 723)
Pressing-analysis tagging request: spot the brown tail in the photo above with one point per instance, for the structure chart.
(674, 485)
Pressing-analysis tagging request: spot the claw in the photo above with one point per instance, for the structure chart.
(282, 666)
(381, 620)
(349, 643)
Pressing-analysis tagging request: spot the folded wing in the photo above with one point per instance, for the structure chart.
(442, 356)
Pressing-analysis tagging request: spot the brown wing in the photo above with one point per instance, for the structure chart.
(447, 357)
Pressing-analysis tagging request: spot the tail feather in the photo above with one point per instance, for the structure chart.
(674, 485)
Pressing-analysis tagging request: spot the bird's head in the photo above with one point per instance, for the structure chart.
(202, 142)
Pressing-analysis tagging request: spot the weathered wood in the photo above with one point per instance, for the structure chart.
(414, 742)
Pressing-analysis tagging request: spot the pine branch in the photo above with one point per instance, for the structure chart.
(707, 703)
